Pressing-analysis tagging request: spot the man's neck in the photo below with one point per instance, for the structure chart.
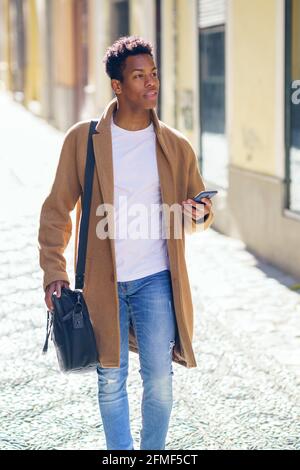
(132, 120)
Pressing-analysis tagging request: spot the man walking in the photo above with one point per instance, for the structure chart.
(136, 288)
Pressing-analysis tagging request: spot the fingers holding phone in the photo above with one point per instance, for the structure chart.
(207, 202)
(195, 210)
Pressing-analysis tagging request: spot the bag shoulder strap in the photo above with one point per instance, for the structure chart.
(86, 206)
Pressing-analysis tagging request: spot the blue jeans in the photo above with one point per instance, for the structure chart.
(148, 304)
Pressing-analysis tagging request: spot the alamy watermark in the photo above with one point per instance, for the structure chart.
(144, 221)
(296, 94)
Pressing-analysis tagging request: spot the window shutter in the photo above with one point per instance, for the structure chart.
(211, 13)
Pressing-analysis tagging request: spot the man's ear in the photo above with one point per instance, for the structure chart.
(116, 86)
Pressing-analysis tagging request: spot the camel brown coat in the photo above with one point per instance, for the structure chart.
(179, 180)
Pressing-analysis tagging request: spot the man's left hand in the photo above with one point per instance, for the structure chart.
(196, 209)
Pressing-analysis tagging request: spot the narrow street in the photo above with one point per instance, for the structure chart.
(245, 392)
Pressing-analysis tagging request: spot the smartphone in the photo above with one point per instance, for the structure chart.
(208, 193)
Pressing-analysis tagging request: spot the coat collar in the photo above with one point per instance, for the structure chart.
(105, 120)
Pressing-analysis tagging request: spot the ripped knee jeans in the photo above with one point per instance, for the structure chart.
(146, 304)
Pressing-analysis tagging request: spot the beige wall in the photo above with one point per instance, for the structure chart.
(142, 19)
(255, 70)
(296, 40)
(92, 38)
(33, 59)
(168, 63)
(253, 92)
(63, 30)
(187, 102)
(100, 19)
(180, 68)
(6, 66)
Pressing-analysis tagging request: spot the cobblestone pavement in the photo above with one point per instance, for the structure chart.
(244, 394)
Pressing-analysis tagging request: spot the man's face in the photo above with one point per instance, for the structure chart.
(140, 85)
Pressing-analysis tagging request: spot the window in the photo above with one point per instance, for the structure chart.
(119, 19)
(292, 104)
(214, 156)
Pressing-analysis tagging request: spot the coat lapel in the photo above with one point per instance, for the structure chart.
(103, 158)
(104, 162)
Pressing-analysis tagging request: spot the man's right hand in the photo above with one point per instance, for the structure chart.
(54, 287)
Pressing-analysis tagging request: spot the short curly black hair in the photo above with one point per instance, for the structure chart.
(117, 53)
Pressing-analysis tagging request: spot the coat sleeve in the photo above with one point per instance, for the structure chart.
(55, 221)
(195, 185)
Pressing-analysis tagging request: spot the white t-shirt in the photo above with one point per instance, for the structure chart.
(141, 247)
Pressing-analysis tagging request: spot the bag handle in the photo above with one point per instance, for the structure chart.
(86, 198)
